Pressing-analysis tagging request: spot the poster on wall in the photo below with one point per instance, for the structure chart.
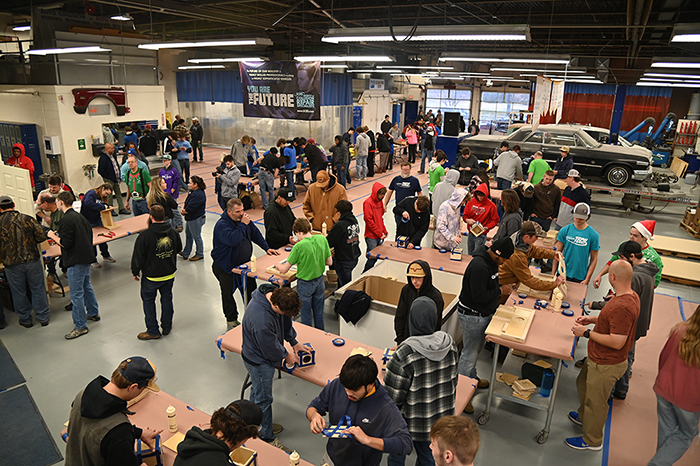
(286, 90)
(556, 102)
(542, 91)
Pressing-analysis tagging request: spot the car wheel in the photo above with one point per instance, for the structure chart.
(618, 175)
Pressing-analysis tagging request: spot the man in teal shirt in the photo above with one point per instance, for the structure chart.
(579, 244)
(537, 168)
(311, 254)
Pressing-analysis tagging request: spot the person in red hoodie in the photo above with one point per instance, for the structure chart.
(20, 160)
(373, 213)
(479, 209)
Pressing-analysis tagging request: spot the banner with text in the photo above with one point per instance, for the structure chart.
(286, 90)
(543, 90)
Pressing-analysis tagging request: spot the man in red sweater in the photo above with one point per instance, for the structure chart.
(20, 160)
(373, 212)
(479, 209)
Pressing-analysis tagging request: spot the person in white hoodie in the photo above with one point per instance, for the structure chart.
(447, 226)
(362, 144)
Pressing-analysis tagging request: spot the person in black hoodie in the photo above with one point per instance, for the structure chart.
(230, 428)
(372, 151)
(478, 301)
(414, 212)
(420, 283)
(99, 431)
(155, 257)
(279, 219)
(344, 240)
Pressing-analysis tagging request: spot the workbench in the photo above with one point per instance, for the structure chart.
(685, 272)
(669, 246)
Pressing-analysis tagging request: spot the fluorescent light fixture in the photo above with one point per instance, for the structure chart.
(508, 80)
(335, 58)
(653, 84)
(122, 18)
(388, 70)
(225, 60)
(529, 75)
(22, 28)
(682, 76)
(201, 67)
(205, 43)
(687, 32)
(512, 32)
(498, 78)
(334, 66)
(94, 48)
(419, 67)
(665, 62)
(507, 58)
(538, 71)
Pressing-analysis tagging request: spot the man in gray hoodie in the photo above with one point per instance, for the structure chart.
(444, 189)
(510, 168)
(421, 377)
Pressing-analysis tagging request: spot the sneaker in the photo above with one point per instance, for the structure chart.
(278, 444)
(232, 324)
(182, 255)
(76, 332)
(29, 324)
(109, 259)
(577, 443)
(68, 307)
(620, 396)
(580, 362)
(96, 318)
(470, 408)
(114, 213)
(179, 229)
(96, 265)
(277, 428)
(483, 383)
(3, 324)
(195, 258)
(124, 212)
(166, 332)
(44, 323)
(573, 417)
(147, 336)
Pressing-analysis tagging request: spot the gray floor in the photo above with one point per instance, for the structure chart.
(191, 369)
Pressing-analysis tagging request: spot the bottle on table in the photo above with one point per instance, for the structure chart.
(172, 420)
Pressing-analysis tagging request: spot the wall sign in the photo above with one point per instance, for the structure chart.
(94, 110)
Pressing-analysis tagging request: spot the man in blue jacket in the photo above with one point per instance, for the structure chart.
(234, 235)
(377, 424)
(267, 324)
(94, 202)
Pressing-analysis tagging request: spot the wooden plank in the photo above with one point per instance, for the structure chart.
(690, 231)
(679, 167)
(511, 323)
(667, 245)
(681, 271)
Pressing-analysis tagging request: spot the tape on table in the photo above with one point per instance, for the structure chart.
(567, 312)
(288, 248)
(338, 341)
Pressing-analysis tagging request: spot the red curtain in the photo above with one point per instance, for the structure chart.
(593, 109)
(639, 107)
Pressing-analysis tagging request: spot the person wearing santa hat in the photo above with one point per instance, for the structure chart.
(641, 232)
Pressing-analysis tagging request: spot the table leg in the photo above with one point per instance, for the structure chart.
(544, 433)
(484, 417)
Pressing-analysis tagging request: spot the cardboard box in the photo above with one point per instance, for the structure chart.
(691, 217)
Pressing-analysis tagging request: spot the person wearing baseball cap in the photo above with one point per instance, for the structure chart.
(420, 283)
(641, 233)
(579, 243)
(279, 219)
(196, 134)
(230, 427)
(563, 164)
(574, 194)
(99, 431)
(478, 300)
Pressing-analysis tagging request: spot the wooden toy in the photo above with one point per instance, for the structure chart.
(557, 297)
(511, 323)
(388, 353)
(402, 242)
(146, 455)
(243, 456)
(477, 229)
(456, 255)
(551, 237)
(336, 431)
(108, 220)
(291, 273)
(307, 358)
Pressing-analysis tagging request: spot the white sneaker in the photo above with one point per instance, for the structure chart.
(95, 265)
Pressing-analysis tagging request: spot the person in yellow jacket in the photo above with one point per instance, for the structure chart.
(319, 204)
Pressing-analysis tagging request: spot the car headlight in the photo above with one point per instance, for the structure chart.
(644, 164)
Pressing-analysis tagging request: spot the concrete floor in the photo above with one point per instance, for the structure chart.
(191, 368)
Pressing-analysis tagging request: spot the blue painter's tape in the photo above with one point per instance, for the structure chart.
(565, 305)
(288, 248)
(218, 343)
(338, 341)
(440, 268)
(128, 233)
(190, 408)
(417, 248)
(568, 312)
(680, 306)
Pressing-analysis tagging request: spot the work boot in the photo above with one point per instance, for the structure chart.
(277, 428)
(278, 444)
(470, 408)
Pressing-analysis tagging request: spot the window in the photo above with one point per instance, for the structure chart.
(561, 139)
(449, 100)
(497, 108)
(536, 137)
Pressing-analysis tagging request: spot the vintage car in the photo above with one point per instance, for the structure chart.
(617, 165)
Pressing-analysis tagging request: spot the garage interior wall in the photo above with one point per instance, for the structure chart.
(216, 98)
(51, 109)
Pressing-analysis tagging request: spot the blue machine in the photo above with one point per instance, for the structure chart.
(654, 140)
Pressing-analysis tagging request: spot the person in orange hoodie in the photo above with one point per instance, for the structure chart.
(373, 213)
(20, 160)
(479, 209)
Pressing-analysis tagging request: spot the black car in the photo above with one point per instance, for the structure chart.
(617, 165)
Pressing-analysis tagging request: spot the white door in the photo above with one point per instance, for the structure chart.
(14, 182)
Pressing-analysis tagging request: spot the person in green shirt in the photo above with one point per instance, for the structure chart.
(537, 168)
(138, 181)
(311, 254)
(436, 170)
(641, 232)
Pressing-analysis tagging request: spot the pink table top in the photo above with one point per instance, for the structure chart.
(436, 259)
(263, 263)
(550, 333)
(330, 358)
(129, 226)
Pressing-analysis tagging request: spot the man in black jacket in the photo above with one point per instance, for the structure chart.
(420, 283)
(386, 124)
(279, 219)
(99, 431)
(344, 241)
(384, 150)
(372, 151)
(414, 212)
(155, 257)
(197, 134)
(313, 156)
(109, 170)
(148, 144)
(478, 301)
(75, 238)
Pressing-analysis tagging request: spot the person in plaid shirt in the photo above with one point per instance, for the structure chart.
(421, 378)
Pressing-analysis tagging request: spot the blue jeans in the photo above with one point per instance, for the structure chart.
(18, 277)
(341, 171)
(371, 244)
(139, 207)
(677, 429)
(502, 183)
(425, 456)
(177, 219)
(289, 174)
(185, 165)
(193, 232)
(622, 386)
(344, 270)
(82, 296)
(361, 166)
(427, 155)
(312, 294)
(261, 394)
(177, 166)
(149, 289)
(267, 188)
(473, 338)
(475, 242)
